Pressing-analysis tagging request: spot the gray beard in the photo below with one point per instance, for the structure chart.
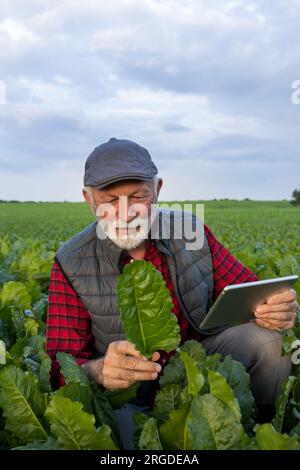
(128, 242)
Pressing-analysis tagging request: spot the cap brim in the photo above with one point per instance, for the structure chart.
(123, 178)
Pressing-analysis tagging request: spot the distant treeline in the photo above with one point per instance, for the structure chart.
(12, 201)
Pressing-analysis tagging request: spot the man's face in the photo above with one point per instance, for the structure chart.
(125, 210)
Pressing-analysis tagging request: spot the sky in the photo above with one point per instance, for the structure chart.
(204, 85)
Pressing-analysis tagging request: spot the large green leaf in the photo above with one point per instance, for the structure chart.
(174, 372)
(139, 420)
(195, 350)
(31, 327)
(281, 403)
(288, 340)
(80, 388)
(146, 309)
(212, 361)
(206, 424)
(149, 438)
(39, 308)
(35, 349)
(34, 290)
(174, 433)
(195, 378)
(239, 380)
(119, 397)
(74, 428)
(227, 431)
(15, 294)
(18, 322)
(296, 430)
(185, 397)
(103, 411)
(268, 438)
(50, 444)
(44, 373)
(71, 371)
(77, 392)
(220, 389)
(23, 404)
(166, 400)
(94, 402)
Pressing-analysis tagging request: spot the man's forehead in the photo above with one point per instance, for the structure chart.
(127, 186)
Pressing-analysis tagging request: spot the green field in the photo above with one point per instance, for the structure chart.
(265, 236)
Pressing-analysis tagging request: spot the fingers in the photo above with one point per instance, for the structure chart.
(155, 356)
(269, 325)
(277, 316)
(123, 347)
(288, 295)
(262, 323)
(114, 384)
(123, 365)
(130, 375)
(275, 325)
(281, 315)
(284, 307)
(132, 363)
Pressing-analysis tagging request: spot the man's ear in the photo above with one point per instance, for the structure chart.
(159, 185)
(86, 196)
(88, 200)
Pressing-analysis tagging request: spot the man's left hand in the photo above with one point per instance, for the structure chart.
(279, 312)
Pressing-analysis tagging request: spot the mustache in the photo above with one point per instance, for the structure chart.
(132, 224)
(120, 223)
(137, 222)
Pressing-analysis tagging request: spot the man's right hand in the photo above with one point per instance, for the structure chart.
(122, 366)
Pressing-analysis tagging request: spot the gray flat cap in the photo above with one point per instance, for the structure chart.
(116, 160)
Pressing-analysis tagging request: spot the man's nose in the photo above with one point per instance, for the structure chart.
(126, 212)
(126, 216)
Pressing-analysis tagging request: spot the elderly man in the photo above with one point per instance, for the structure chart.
(83, 317)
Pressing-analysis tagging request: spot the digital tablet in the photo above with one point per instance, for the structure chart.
(237, 302)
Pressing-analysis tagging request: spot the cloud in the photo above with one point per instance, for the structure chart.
(17, 37)
(54, 113)
(176, 128)
(60, 93)
(17, 32)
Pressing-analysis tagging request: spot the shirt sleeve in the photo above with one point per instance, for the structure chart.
(68, 324)
(226, 268)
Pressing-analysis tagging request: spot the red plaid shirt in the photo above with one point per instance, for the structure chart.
(68, 320)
